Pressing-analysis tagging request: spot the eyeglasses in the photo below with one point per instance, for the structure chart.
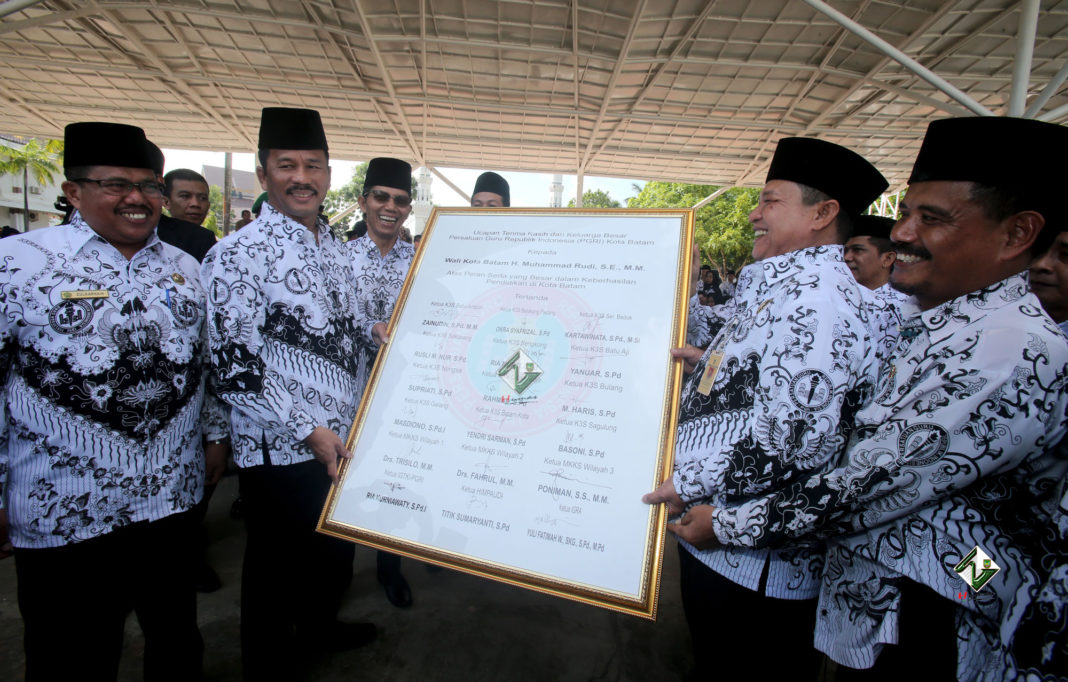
(399, 200)
(117, 187)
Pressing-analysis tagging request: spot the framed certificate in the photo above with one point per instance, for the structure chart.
(525, 402)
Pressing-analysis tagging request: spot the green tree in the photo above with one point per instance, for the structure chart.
(596, 198)
(341, 198)
(36, 159)
(214, 221)
(729, 242)
(721, 227)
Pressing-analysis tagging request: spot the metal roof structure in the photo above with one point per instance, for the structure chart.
(677, 90)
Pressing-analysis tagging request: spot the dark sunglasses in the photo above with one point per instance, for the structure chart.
(399, 200)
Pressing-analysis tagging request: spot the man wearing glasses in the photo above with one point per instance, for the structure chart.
(381, 260)
(101, 449)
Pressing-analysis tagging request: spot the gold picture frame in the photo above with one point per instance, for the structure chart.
(525, 401)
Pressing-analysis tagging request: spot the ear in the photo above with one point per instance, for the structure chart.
(1020, 232)
(887, 258)
(826, 212)
(74, 193)
(362, 201)
(261, 175)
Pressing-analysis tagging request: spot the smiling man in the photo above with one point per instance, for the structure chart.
(771, 400)
(101, 450)
(958, 453)
(280, 289)
(380, 260)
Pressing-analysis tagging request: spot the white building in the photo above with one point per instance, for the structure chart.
(42, 197)
(422, 204)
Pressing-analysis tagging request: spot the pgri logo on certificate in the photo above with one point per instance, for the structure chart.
(977, 569)
(519, 372)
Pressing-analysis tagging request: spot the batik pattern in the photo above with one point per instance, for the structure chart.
(704, 321)
(284, 334)
(379, 280)
(103, 374)
(887, 306)
(798, 362)
(955, 452)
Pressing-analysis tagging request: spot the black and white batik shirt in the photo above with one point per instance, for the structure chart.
(379, 280)
(887, 304)
(285, 335)
(957, 451)
(103, 370)
(704, 321)
(797, 362)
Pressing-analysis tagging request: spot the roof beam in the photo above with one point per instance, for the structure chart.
(353, 68)
(1025, 49)
(225, 99)
(801, 94)
(1049, 91)
(679, 45)
(365, 26)
(43, 20)
(577, 81)
(17, 100)
(12, 6)
(168, 78)
(623, 50)
(450, 183)
(1054, 114)
(868, 78)
(711, 197)
(899, 56)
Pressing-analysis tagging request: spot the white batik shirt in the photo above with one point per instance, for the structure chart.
(798, 362)
(887, 303)
(285, 335)
(957, 451)
(103, 385)
(704, 321)
(700, 322)
(379, 280)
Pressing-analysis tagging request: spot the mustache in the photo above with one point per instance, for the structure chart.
(302, 188)
(910, 250)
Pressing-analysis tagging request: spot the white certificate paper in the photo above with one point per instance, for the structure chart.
(526, 401)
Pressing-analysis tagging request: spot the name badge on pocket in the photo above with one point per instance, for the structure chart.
(84, 293)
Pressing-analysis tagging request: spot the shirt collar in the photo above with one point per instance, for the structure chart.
(365, 244)
(778, 268)
(274, 221)
(969, 307)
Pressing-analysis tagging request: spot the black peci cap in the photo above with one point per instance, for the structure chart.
(387, 172)
(284, 128)
(1015, 155)
(106, 144)
(492, 182)
(840, 173)
(872, 226)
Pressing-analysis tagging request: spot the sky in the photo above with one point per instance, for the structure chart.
(528, 189)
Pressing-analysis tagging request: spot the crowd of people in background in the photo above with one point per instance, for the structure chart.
(871, 423)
